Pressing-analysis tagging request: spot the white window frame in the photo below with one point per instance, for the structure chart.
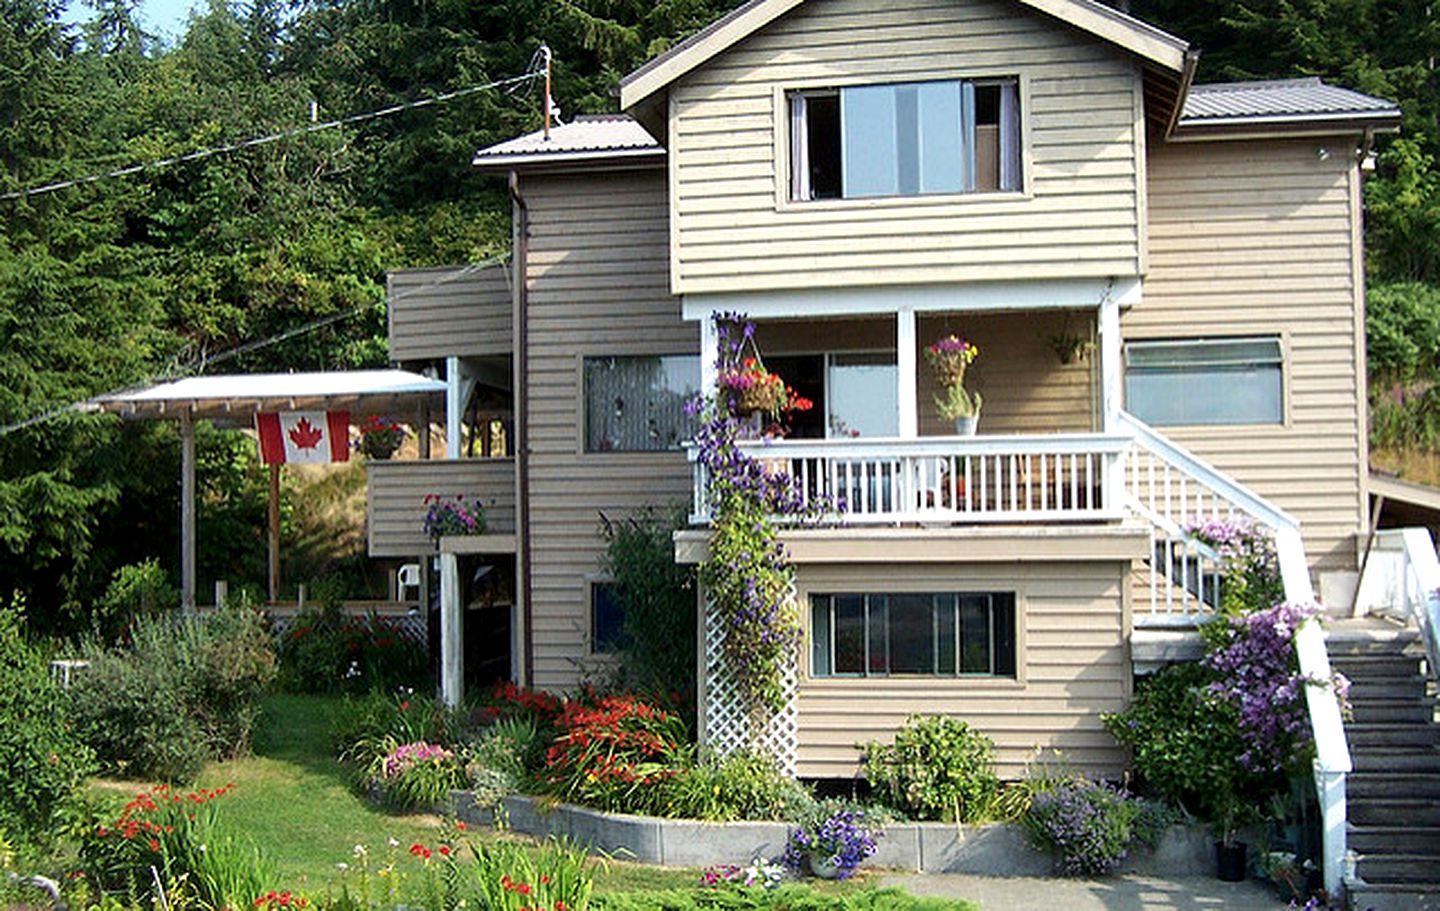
(1281, 364)
(1016, 636)
(784, 179)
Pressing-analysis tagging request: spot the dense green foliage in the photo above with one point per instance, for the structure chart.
(178, 693)
(657, 652)
(44, 763)
(936, 768)
(107, 284)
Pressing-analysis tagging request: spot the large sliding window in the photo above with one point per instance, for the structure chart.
(949, 634)
(1205, 381)
(637, 404)
(905, 139)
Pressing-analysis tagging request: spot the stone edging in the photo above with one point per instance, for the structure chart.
(925, 847)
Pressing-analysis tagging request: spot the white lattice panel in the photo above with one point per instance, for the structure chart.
(727, 718)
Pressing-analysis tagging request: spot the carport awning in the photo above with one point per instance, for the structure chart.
(236, 397)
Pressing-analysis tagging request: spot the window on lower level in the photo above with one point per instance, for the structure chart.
(946, 634)
(637, 404)
(607, 618)
(906, 139)
(1205, 381)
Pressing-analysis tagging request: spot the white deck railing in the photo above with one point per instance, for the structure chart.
(1052, 478)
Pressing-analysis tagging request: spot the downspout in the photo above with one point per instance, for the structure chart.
(1187, 76)
(519, 269)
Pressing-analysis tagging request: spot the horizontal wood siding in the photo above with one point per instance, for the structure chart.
(598, 284)
(728, 154)
(395, 507)
(1072, 659)
(450, 312)
(1261, 238)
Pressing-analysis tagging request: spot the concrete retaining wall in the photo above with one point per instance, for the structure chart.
(926, 847)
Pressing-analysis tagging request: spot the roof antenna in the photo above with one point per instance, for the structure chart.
(545, 50)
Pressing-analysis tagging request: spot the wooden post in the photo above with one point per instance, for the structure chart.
(423, 431)
(187, 513)
(222, 593)
(273, 522)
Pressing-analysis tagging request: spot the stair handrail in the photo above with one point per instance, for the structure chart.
(1242, 497)
(1332, 750)
(1422, 561)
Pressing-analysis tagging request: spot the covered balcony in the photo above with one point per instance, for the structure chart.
(876, 445)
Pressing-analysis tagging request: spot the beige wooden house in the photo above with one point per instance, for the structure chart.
(1164, 278)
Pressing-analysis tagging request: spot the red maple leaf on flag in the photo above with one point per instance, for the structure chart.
(306, 436)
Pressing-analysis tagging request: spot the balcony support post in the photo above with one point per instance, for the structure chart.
(905, 362)
(452, 655)
(459, 384)
(1110, 376)
(709, 354)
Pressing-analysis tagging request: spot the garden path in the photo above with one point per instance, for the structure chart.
(1116, 893)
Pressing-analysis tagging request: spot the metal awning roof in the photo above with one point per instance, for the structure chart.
(240, 395)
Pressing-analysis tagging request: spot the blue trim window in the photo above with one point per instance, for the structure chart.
(607, 618)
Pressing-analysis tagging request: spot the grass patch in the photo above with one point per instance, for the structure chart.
(295, 801)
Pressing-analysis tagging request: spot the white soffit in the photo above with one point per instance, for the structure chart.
(977, 297)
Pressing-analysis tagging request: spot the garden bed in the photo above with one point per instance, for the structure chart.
(925, 847)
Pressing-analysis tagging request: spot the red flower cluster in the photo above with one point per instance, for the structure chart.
(510, 701)
(132, 820)
(272, 900)
(425, 853)
(620, 739)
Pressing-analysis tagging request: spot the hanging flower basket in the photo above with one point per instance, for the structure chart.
(380, 437)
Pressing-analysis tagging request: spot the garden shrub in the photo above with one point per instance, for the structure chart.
(136, 590)
(495, 762)
(1090, 826)
(328, 652)
(743, 785)
(43, 762)
(657, 652)
(1185, 742)
(936, 768)
(182, 691)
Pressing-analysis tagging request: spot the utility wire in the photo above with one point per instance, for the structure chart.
(306, 130)
(197, 366)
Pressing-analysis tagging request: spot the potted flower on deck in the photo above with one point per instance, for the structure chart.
(451, 516)
(949, 356)
(755, 394)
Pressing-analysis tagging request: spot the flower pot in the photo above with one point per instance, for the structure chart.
(965, 426)
(1230, 860)
(376, 448)
(823, 866)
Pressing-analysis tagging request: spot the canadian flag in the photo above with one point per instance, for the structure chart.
(303, 437)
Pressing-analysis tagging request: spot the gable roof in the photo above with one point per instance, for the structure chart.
(1152, 45)
(589, 139)
(1278, 103)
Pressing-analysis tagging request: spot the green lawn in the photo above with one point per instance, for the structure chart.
(293, 799)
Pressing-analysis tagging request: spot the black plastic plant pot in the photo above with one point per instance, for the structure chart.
(1230, 861)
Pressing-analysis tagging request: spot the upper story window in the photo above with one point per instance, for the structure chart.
(1205, 381)
(637, 404)
(905, 139)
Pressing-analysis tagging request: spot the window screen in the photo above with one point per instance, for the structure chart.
(1205, 381)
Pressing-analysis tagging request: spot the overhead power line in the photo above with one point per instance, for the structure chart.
(199, 154)
(200, 364)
